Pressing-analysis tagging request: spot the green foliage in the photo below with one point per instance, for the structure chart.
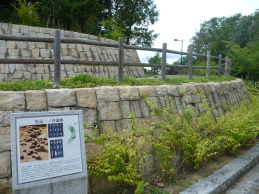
(113, 30)
(85, 80)
(156, 59)
(27, 12)
(194, 138)
(26, 85)
(120, 158)
(245, 60)
(135, 16)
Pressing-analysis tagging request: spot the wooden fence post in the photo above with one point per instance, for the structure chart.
(57, 69)
(190, 63)
(226, 67)
(163, 61)
(229, 63)
(208, 65)
(120, 59)
(219, 65)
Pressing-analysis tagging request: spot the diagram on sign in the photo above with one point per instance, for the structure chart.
(71, 134)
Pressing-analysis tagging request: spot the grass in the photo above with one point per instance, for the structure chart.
(84, 80)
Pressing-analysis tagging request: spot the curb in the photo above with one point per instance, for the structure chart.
(222, 179)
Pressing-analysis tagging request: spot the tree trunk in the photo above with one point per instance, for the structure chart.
(81, 26)
(110, 10)
(53, 3)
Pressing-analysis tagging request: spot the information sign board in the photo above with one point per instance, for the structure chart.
(47, 146)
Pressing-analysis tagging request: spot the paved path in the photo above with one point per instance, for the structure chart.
(240, 176)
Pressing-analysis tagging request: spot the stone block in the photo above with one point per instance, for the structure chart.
(10, 100)
(24, 29)
(70, 73)
(27, 75)
(32, 69)
(41, 45)
(148, 90)
(85, 48)
(8, 77)
(39, 70)
(22, 45)
(44, 30)
(34, 29)
(5, 165)
(13, 52)
(10, 44)
(2, 56)
(11, 68)
(35, 99)
(59, 109)
(3, 43)
(219, 89)
(149, 164)
(21, 67)
(2, 77)
(61, 97)
(89, 115)
(3, 50)
(5, 118)
(5, 137)
(25, 53)
(15, 28)
(128, 107)
(18, 74)
(128, 93)
(4, 68)
(92, 149)
(32, 45)
(161, 90)
(36, 52)
(105, 94)
(207, 89)
(6, 185)
(45, 76)
(69, 67)
(45, 53)
(108, 111)
(102, 185)
(145, 108)
(86, 97)
(107, 126)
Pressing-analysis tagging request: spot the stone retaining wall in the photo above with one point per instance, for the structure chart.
(41, 50)
(110, 106)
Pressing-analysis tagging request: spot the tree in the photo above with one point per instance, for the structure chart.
(27, 12)
(245, 60)
(135, 16)
(156, 59)
(113, 31)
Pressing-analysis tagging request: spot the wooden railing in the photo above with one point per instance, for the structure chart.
(120, 64)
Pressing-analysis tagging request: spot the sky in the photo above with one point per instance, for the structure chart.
(181, 19)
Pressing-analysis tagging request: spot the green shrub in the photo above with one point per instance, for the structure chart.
(120, 159)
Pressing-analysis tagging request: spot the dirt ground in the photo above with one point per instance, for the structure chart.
(184, 178)
(33, 143)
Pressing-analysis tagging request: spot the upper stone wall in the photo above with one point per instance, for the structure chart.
(41, 50)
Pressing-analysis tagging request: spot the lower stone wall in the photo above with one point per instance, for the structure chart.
(110, 106)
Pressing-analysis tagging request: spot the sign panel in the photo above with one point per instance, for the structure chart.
(48, 146)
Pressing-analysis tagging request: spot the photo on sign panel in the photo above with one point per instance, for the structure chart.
(33, 143)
